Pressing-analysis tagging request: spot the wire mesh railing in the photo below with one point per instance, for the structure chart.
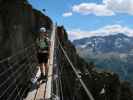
(15, 73)
(58, 91)
(74, 82)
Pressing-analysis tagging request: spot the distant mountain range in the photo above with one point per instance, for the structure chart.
(112, 43)
(112, 52)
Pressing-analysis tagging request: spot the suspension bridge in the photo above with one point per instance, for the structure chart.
(15, 75)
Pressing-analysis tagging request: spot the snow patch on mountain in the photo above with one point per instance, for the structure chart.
(116, 43)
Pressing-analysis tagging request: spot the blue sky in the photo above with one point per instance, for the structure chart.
(84, 18)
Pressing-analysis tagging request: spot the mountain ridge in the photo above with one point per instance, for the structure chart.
(116, 43)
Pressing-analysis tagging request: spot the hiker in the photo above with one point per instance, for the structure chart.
(43, 43)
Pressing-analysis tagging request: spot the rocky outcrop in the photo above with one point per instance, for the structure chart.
(102, 84)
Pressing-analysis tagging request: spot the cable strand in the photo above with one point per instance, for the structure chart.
(75, 71)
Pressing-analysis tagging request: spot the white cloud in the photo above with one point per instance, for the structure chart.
(106, 8)
(113, 29)
(120, 6)
(88, 8)
(67, 14)
(104, 31)
(77, 34)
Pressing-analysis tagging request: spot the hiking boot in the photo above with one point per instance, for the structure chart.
(42, 77)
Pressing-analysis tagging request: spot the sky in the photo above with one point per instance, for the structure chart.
(86, 18)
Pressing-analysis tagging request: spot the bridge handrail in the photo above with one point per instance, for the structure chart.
(13, 82)
(76, 73)
(10, 57)
(49, 84)
(14, 74)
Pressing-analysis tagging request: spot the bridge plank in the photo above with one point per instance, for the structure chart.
(40, 92)
(31, 95)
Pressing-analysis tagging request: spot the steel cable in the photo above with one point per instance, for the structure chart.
(76, 73)
(13, 82)
(8, 78)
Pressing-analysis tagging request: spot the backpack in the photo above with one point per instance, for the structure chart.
(42, 43)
